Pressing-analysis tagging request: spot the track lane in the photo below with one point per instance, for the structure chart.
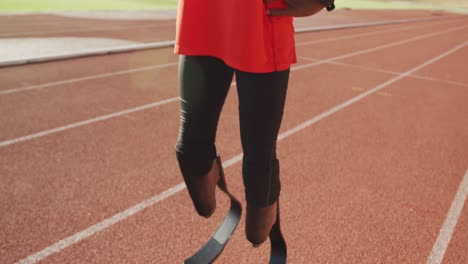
(116, 160)
(356, 16)
(27, 25)
(373, 70)
(60, 111)
(398, 63)
(24, 114)
(381, 170)
(456, 252)
(382, 206)
(26, 75)
(58, 188)
(97, 152)
(302, 38)
(165, 31)
(325, 50)
(58, 26)
(457, 65)
(45, 73)
(319, 74)
(326, 36)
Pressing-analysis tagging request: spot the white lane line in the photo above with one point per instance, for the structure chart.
(368, 24)
(364, 34)
(447, 229)
(86, 78)
(101, 225)
(131, 110)
(122, 72)
(389, 45)
(415, 76)
(179, 187)
(86, 122)
(369, 92)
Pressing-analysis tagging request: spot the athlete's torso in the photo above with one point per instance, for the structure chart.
(236, 31)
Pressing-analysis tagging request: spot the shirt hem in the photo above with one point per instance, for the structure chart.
(178, 49)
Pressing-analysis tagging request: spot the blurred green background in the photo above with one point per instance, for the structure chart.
(71, 5)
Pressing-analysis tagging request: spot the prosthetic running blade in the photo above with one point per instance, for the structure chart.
(213, 248)
(278, 254)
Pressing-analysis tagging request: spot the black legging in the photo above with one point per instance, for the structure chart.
(204, 84)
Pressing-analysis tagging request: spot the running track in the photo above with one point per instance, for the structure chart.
(373, 145)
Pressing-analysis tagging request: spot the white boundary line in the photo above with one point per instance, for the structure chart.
(86, 78)
(121, 72)
(450, 223)
(64, 243)
(365, 34)
(166, 44)
(415, 76)
(102, 225)
(87, 122)
(389, 45)
(369, 24)
(139, 108)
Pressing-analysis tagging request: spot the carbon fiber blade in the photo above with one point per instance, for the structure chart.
(278, 254)
(213, 248)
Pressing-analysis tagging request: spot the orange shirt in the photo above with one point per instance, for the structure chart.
(237, 31)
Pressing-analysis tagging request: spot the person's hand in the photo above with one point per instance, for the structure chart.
(296, 8)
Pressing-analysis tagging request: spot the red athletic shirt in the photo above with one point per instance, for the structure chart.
(237, 31)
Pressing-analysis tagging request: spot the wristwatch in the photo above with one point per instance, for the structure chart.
(329, 4)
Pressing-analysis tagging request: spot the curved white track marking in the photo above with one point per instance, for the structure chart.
(179, 187)
(122, 72)
(139, 108)
(389, 45)
(450, 223)
(362, 35)
(374, 23)
(102, 225)
(86, 122)
(86, 78)
(368, 92)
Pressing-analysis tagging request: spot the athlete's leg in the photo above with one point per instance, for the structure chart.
(261, 104)
(204, 84)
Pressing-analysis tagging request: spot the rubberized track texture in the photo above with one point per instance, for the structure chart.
(373, 148)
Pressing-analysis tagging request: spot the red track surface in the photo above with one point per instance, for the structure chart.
(369, 183)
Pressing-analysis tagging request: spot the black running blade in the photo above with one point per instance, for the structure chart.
(213, 248)
(278, 254)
